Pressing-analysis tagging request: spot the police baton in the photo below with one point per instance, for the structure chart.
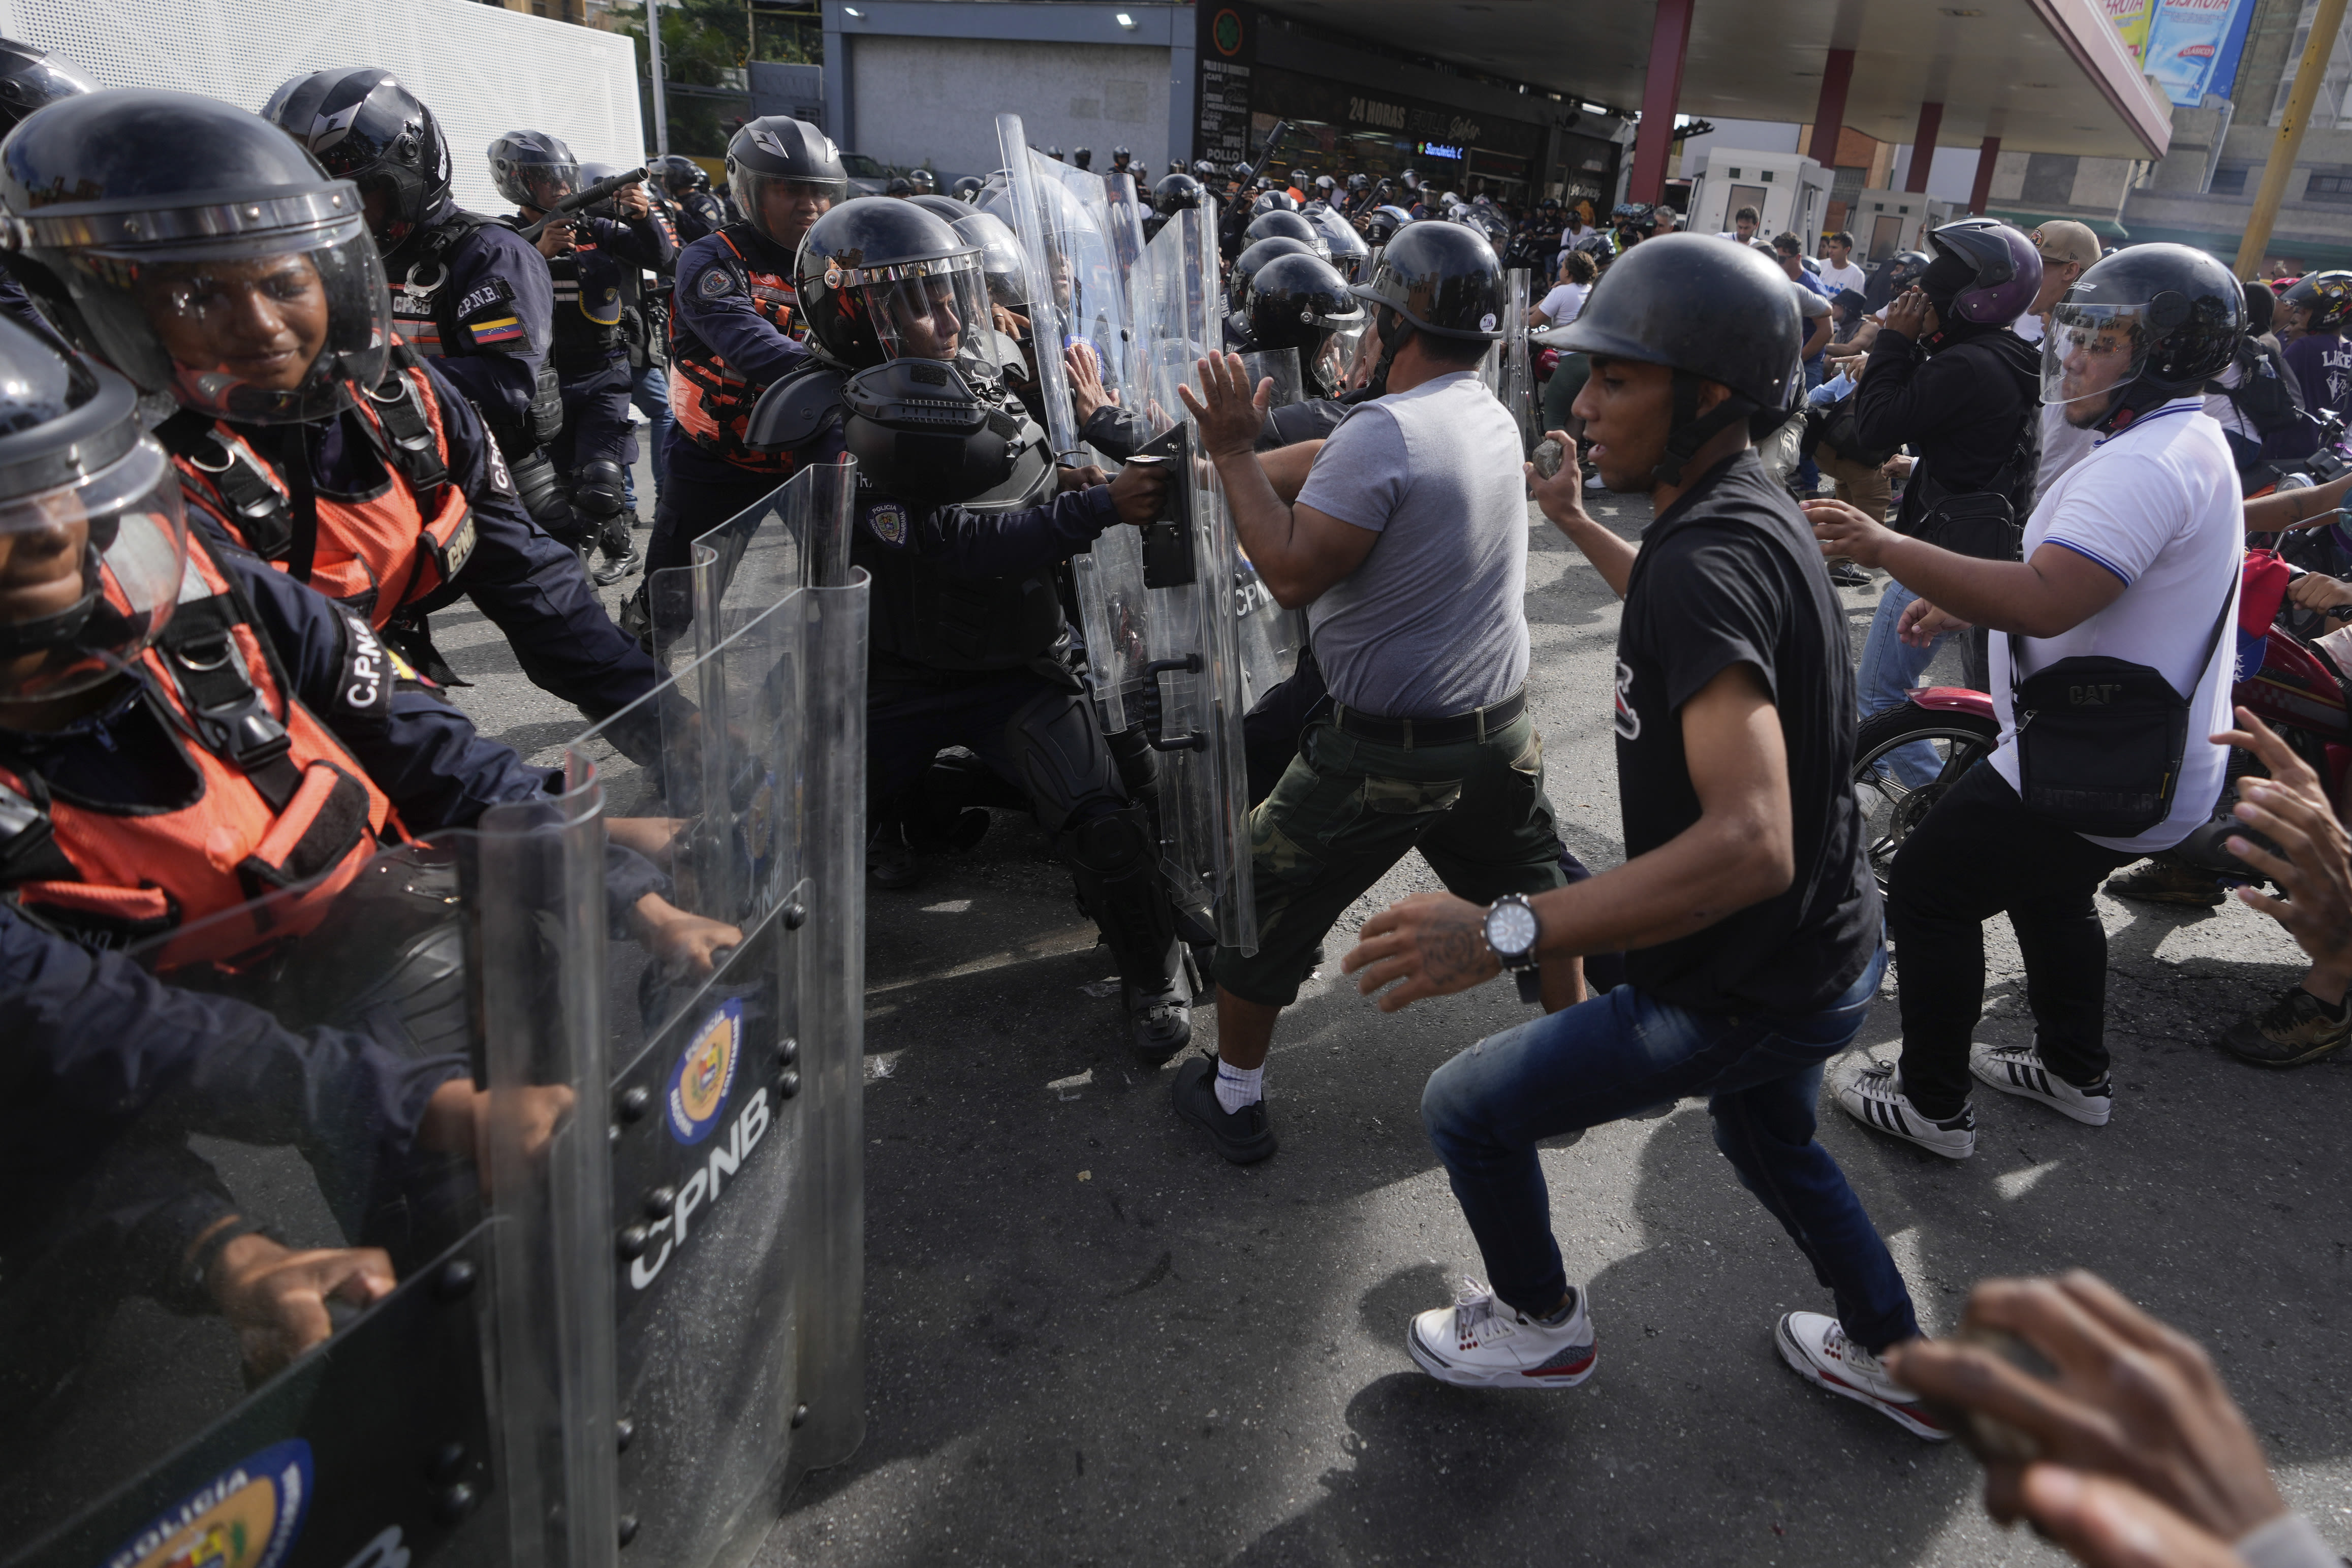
(603, 190)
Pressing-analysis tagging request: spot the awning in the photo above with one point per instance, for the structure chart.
(2107, 229)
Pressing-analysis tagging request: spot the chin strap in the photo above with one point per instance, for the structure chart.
(1395, 332)
(1691, 429)
(2136, 400)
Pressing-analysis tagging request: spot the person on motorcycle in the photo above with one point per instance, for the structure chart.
(2318, 307)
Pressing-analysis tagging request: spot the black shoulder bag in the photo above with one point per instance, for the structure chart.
(2100, 741)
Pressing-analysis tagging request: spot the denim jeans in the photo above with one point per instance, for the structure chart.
(1624, 1052)
(650, 392)
(1809, 474)
(1890, 667)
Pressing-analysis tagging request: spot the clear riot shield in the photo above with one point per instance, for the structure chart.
(392, 1088)
(735, 1095)
(796, 536)
(1516, 386)
(1270, 636)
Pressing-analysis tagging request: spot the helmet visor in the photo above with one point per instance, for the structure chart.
(267, 326)
(535, 182)
(89, 573)
(779, 208)
(2093, 353)
(935, 309)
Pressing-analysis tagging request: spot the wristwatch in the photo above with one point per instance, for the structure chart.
(1511, 931)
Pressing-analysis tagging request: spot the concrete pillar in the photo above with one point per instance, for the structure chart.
(1981, 192)
(1829, 114)
(1923, 145)
(1653, 141)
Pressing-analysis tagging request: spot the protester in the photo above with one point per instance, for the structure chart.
(1838, 271)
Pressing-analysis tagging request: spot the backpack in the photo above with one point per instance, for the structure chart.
(2266, 396)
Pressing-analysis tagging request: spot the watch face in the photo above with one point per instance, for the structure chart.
(1510, 929)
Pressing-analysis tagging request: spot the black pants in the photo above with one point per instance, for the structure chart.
(1980, 852)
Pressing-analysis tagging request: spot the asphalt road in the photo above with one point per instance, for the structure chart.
(1092, 1341)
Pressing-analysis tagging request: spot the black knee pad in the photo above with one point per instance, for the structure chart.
(541, 490)
(1066, 766)
(1112, 845)
(599, 490)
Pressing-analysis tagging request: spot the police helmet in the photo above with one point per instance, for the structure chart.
(1358, 183)
(678, 174)
(923, 180)
(1292, 225)
(1083, 158)
(1349, 254)
(966, 188)
(1054, 154)
(363, 126)
(777, 150)
(1439, 278)
(533, 169)
(1270, 201)
(2149, 324)
(880, 280)
(1206, 171)
(590, 174)
(1175, 193)
(93, 536)
(2324, 298)
(1000, 252)
(200, 251)
(33, 78)
(899, 186)
(1381, 223)
(1120, 157)
(1254, 256)
(1298, 302)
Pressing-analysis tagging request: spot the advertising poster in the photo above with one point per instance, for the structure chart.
(2129, 19)
(2193, 44)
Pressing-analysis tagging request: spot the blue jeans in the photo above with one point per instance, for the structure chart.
(1623, 1052)
(649, 391)
(1808, 474)
(1890, 669)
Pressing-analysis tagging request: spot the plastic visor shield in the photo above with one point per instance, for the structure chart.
(932, 309)
(734, 1259)
(2092, 352)
(267, 327)
(111, 551)
(458, 1409)
(1517, 383)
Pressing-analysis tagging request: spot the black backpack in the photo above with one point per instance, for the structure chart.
(2266, 396)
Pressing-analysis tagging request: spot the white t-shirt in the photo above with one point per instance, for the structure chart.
(1559, 307)
(2158, 505)
(2028, 327)
(2225, 413)
(1838, 280)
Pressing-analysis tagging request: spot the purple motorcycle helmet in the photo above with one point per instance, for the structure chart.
(2002, 271)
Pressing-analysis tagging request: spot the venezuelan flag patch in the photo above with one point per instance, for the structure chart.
(505, 328)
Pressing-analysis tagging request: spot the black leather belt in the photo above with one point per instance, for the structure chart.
(1452, 731)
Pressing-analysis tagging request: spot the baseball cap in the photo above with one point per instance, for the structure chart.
(2062, 241)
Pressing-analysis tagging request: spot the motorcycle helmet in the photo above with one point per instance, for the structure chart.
(365, 127)
(198, 251)
(2145, 325)
(94, 539)
(1985, 273)
(1709, 312)
(33, 78)
(2324, 298)
(777, 151)
(678, 174)
(1896, 273)
(1175, 193)
(533, 169)
(1246, 266)
(881, 280)
(1289, 225)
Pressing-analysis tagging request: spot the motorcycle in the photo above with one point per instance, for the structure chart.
(1905, 757)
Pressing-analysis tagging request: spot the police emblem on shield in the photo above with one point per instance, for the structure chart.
(705, 1072)
(246, 1517)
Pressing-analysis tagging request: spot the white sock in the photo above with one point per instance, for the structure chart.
(1236, 1088)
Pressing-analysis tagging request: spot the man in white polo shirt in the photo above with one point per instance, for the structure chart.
(2133, 556)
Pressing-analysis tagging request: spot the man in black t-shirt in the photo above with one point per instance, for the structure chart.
(1746, 905)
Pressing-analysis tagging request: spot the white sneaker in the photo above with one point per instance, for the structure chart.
(2018, 1070)
(1873, 1095)
(1815, 1346)
(1594, 484)
(1480, 1342)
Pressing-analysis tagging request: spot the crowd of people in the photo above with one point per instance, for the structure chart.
(271, 398)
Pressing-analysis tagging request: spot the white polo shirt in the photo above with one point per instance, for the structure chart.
(2158, 505)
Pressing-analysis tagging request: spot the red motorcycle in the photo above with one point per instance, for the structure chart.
(2294, 688)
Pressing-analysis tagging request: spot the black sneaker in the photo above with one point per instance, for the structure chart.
(2165, 880)
(2297, 1028)
(1243, 1136)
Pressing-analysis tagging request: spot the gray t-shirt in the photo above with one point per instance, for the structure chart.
(1434, 621)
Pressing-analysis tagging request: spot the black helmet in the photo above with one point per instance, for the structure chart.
(533, 169)
(879, 280)
(2262, 307)
(33, 78)
(946, 210)
(1896, 273)
(1273, 201)
(1083, 158)
(1289, 225)
(1598, 245)
(777, 150)
(365, 127)
(899, 186)
(1360, 182)
(1054, 154)
(1348, 252)
(1986, 273)
(2325, 299)
(1175, 193)
(1246, 266)
(1442, 279)
(2149, 324)
(966, 188)
(1381, 223)
(1707, 310)
(1120, 157)
(1206, 171)
(1297, 302)
(90, 522)
(678, 174)
(165, 230)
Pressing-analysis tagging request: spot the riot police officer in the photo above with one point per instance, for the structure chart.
(1298, 302)
(1122, 162)
(589, 261)
(962, 520)
(470, 293)
(1257, 254)
(734, 328)
(1279, 222)
(307, 434)
(1082, 158)
(645, 331)
(1174, 193)
(688, 185)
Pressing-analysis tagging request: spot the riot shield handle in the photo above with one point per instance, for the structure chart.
(1150, 700)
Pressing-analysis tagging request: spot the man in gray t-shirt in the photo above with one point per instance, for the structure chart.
(1408, 543)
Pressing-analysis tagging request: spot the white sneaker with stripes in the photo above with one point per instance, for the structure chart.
(1873, 1095)
(2018, 1070)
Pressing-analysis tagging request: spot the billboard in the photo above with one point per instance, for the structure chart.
(2192, 46)
(2129, 18)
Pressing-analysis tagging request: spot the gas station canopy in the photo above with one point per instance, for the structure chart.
(2042, 76)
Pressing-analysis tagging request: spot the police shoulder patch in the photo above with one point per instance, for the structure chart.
(483, 296)
(369, 670)
(717, 283)
(888, 520)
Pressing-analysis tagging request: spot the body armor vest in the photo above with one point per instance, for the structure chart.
(710, 401)
(588, 308)
(275, 801)
(374, 553)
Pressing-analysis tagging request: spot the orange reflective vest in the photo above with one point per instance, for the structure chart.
(710, 401)
(278, 804)
(374, 553)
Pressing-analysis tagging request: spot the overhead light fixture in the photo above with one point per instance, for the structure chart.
(853, 11)
(1127, 21)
